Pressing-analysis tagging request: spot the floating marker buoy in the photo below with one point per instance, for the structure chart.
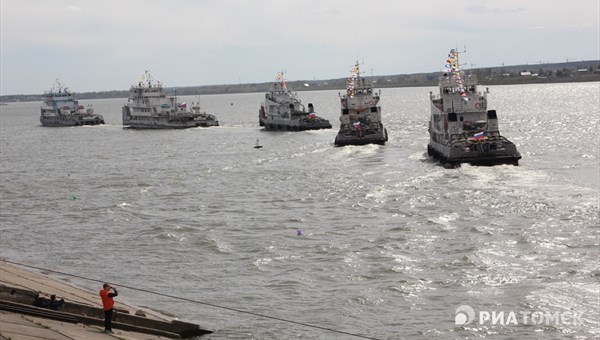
(257, 146)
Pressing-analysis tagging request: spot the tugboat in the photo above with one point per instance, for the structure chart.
(60, 108)
(282, 110)
(461, 128)
(360, 121)
(149, 108)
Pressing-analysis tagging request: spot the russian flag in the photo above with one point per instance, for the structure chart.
(357, 125)
(182, 105)
(479, 135)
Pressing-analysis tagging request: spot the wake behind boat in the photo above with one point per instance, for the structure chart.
(149, 107)
(60, 108)
(461, 128)
(360, 121)
(282, 110)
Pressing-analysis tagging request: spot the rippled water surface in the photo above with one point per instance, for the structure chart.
(391, 243)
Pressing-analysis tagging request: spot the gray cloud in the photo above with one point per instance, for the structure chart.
(482, 9)
(103, 45)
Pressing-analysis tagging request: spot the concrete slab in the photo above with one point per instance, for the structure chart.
(16, 326)
(17, 277)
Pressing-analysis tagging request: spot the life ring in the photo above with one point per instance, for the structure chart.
(477, 105)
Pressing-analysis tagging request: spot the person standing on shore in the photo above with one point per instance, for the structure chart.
(108, 303)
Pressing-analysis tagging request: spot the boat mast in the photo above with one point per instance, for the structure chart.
(58, 86)
(281, 79)
(457, 53)
(354, 80)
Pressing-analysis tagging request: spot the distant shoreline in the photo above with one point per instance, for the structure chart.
(582, 71)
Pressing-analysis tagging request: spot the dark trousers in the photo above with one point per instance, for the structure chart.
(108, 319)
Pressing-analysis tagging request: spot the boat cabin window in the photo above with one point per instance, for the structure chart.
(481, 124)
(469, 125)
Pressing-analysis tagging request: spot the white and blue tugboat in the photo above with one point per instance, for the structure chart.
(149, 107)
(282, 110)
(60, 108)
(360, 121)
(461, 128)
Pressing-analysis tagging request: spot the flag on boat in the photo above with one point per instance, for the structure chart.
(479, 135)
(182, 105)
(357, 125)
(312, 116)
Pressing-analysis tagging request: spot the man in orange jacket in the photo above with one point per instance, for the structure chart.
(108, 303)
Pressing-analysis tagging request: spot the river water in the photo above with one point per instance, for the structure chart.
(392, 243)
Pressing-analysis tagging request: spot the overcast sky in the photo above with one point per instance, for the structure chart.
(107, 44)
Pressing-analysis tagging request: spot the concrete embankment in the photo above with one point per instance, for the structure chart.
(79, 317)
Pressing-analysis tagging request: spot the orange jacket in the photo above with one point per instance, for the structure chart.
(107, 299)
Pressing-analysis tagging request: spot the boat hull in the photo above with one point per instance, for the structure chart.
(293, 126)
(298, 124)
(71, 121)
(167, 122)
(167, 125)
(354, 137)
(483, 153)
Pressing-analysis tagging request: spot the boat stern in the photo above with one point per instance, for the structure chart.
(484, 152)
